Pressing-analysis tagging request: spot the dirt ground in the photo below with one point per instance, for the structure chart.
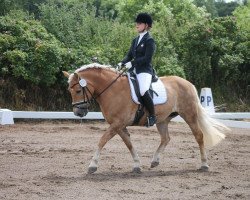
(49, 160)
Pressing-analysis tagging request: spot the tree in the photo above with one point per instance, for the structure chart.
(225, 9)
(85, 34)
(28, 51)
(242, 15)
(209, 5)
(30, 6)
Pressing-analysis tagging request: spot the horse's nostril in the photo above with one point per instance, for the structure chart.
(80, 114)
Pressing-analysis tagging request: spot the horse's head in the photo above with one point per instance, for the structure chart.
(81, 93)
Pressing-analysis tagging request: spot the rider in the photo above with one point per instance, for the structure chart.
(139, 58)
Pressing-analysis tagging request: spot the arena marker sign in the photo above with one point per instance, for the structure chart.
(206, 100)
(6, 117)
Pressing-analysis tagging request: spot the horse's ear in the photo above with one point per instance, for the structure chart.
(66, 74)
(76, 75)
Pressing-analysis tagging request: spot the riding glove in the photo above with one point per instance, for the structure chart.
(119, 66)
(128, 65)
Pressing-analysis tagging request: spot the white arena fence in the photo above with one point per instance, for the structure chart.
(238, 120)
(7, 117)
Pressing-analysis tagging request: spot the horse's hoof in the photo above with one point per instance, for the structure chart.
(91, 170)
(204, 168)
(154, 164)
(137, 170)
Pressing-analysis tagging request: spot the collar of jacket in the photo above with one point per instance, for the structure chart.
(142, 39)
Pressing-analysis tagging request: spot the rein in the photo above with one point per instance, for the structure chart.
(120, 74)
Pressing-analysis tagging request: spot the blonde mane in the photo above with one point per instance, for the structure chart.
(94, 65)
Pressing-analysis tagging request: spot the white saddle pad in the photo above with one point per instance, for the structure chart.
(158, 87)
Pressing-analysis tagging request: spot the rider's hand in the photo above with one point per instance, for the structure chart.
(128, 65)
(119, 66)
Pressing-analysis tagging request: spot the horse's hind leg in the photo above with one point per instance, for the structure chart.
(124, 134)
(162, 128)
(197, 132)
(199, 138)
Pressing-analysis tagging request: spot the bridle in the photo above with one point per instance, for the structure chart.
(85, 90)
(85, 103)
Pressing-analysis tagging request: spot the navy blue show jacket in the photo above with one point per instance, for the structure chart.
(141, 55)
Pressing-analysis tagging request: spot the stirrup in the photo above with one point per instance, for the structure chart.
(151, 120)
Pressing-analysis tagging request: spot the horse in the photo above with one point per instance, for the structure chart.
(111, 91)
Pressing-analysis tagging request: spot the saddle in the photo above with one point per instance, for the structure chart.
(157, 91)
(135, 83)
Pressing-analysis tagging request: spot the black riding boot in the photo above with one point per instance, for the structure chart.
(148, 103)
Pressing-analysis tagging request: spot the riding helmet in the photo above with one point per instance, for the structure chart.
(144, 18)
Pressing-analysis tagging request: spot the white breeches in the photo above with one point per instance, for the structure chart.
(144, 80)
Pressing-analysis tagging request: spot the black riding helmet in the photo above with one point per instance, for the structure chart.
(144, 18)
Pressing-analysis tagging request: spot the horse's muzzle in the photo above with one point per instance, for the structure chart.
(81, 109)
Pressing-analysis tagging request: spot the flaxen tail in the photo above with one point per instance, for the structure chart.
(213, 130)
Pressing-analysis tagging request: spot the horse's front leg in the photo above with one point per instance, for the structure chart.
(111, 132)
(124, 134)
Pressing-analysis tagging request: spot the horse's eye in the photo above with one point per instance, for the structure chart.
(78, 91)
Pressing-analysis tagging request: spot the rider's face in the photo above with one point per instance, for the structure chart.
(141, 27)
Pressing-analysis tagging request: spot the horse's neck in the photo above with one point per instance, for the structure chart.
(112, 92)
(100, 78)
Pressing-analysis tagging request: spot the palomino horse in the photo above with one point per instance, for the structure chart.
(112, 92)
